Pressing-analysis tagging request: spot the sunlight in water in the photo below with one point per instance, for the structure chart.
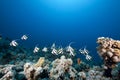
(68, 4)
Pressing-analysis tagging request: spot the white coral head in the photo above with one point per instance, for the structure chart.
(115, 59)
(70, 61)
(62, 57)
(110, 54)
(82, 74)
(27, 65)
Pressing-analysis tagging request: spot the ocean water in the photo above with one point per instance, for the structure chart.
(60, 21)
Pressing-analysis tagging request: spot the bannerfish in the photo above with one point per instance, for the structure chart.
(36, 49)
(88, 57)
(13, 43)
(70, 50)
(24, 37)
(54, 51)
(53, 46)
(85, 52)
(45, 49)
(60, 51)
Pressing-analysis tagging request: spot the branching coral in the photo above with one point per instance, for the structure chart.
(40, 62)
(9, 72)
(109, 50)
(35, 72)
(61, 67)
(82, 75)
(9, 75)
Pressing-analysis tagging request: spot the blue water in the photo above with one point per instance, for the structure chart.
(60, 21)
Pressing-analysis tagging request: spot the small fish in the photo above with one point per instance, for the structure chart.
(36, 49)
(53, 46)
(45, 49)
(70, 50)
(60, 51)
(24, 37)
(85, 52)
(81, 51)
(54, 51)
(88, 57)
(13, 43)
(79, 61)
(72, 53)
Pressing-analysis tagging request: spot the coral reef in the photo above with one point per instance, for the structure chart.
(19, 63)
(109, 50)
(61, 67)
(31, 72)
(40, 62)
(37, 71)
(8, 72)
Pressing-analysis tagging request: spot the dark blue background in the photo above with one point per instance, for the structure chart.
(60, 21)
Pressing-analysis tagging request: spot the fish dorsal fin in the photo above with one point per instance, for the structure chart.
(71, 43)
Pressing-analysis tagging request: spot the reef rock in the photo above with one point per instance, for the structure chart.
(109, 50)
